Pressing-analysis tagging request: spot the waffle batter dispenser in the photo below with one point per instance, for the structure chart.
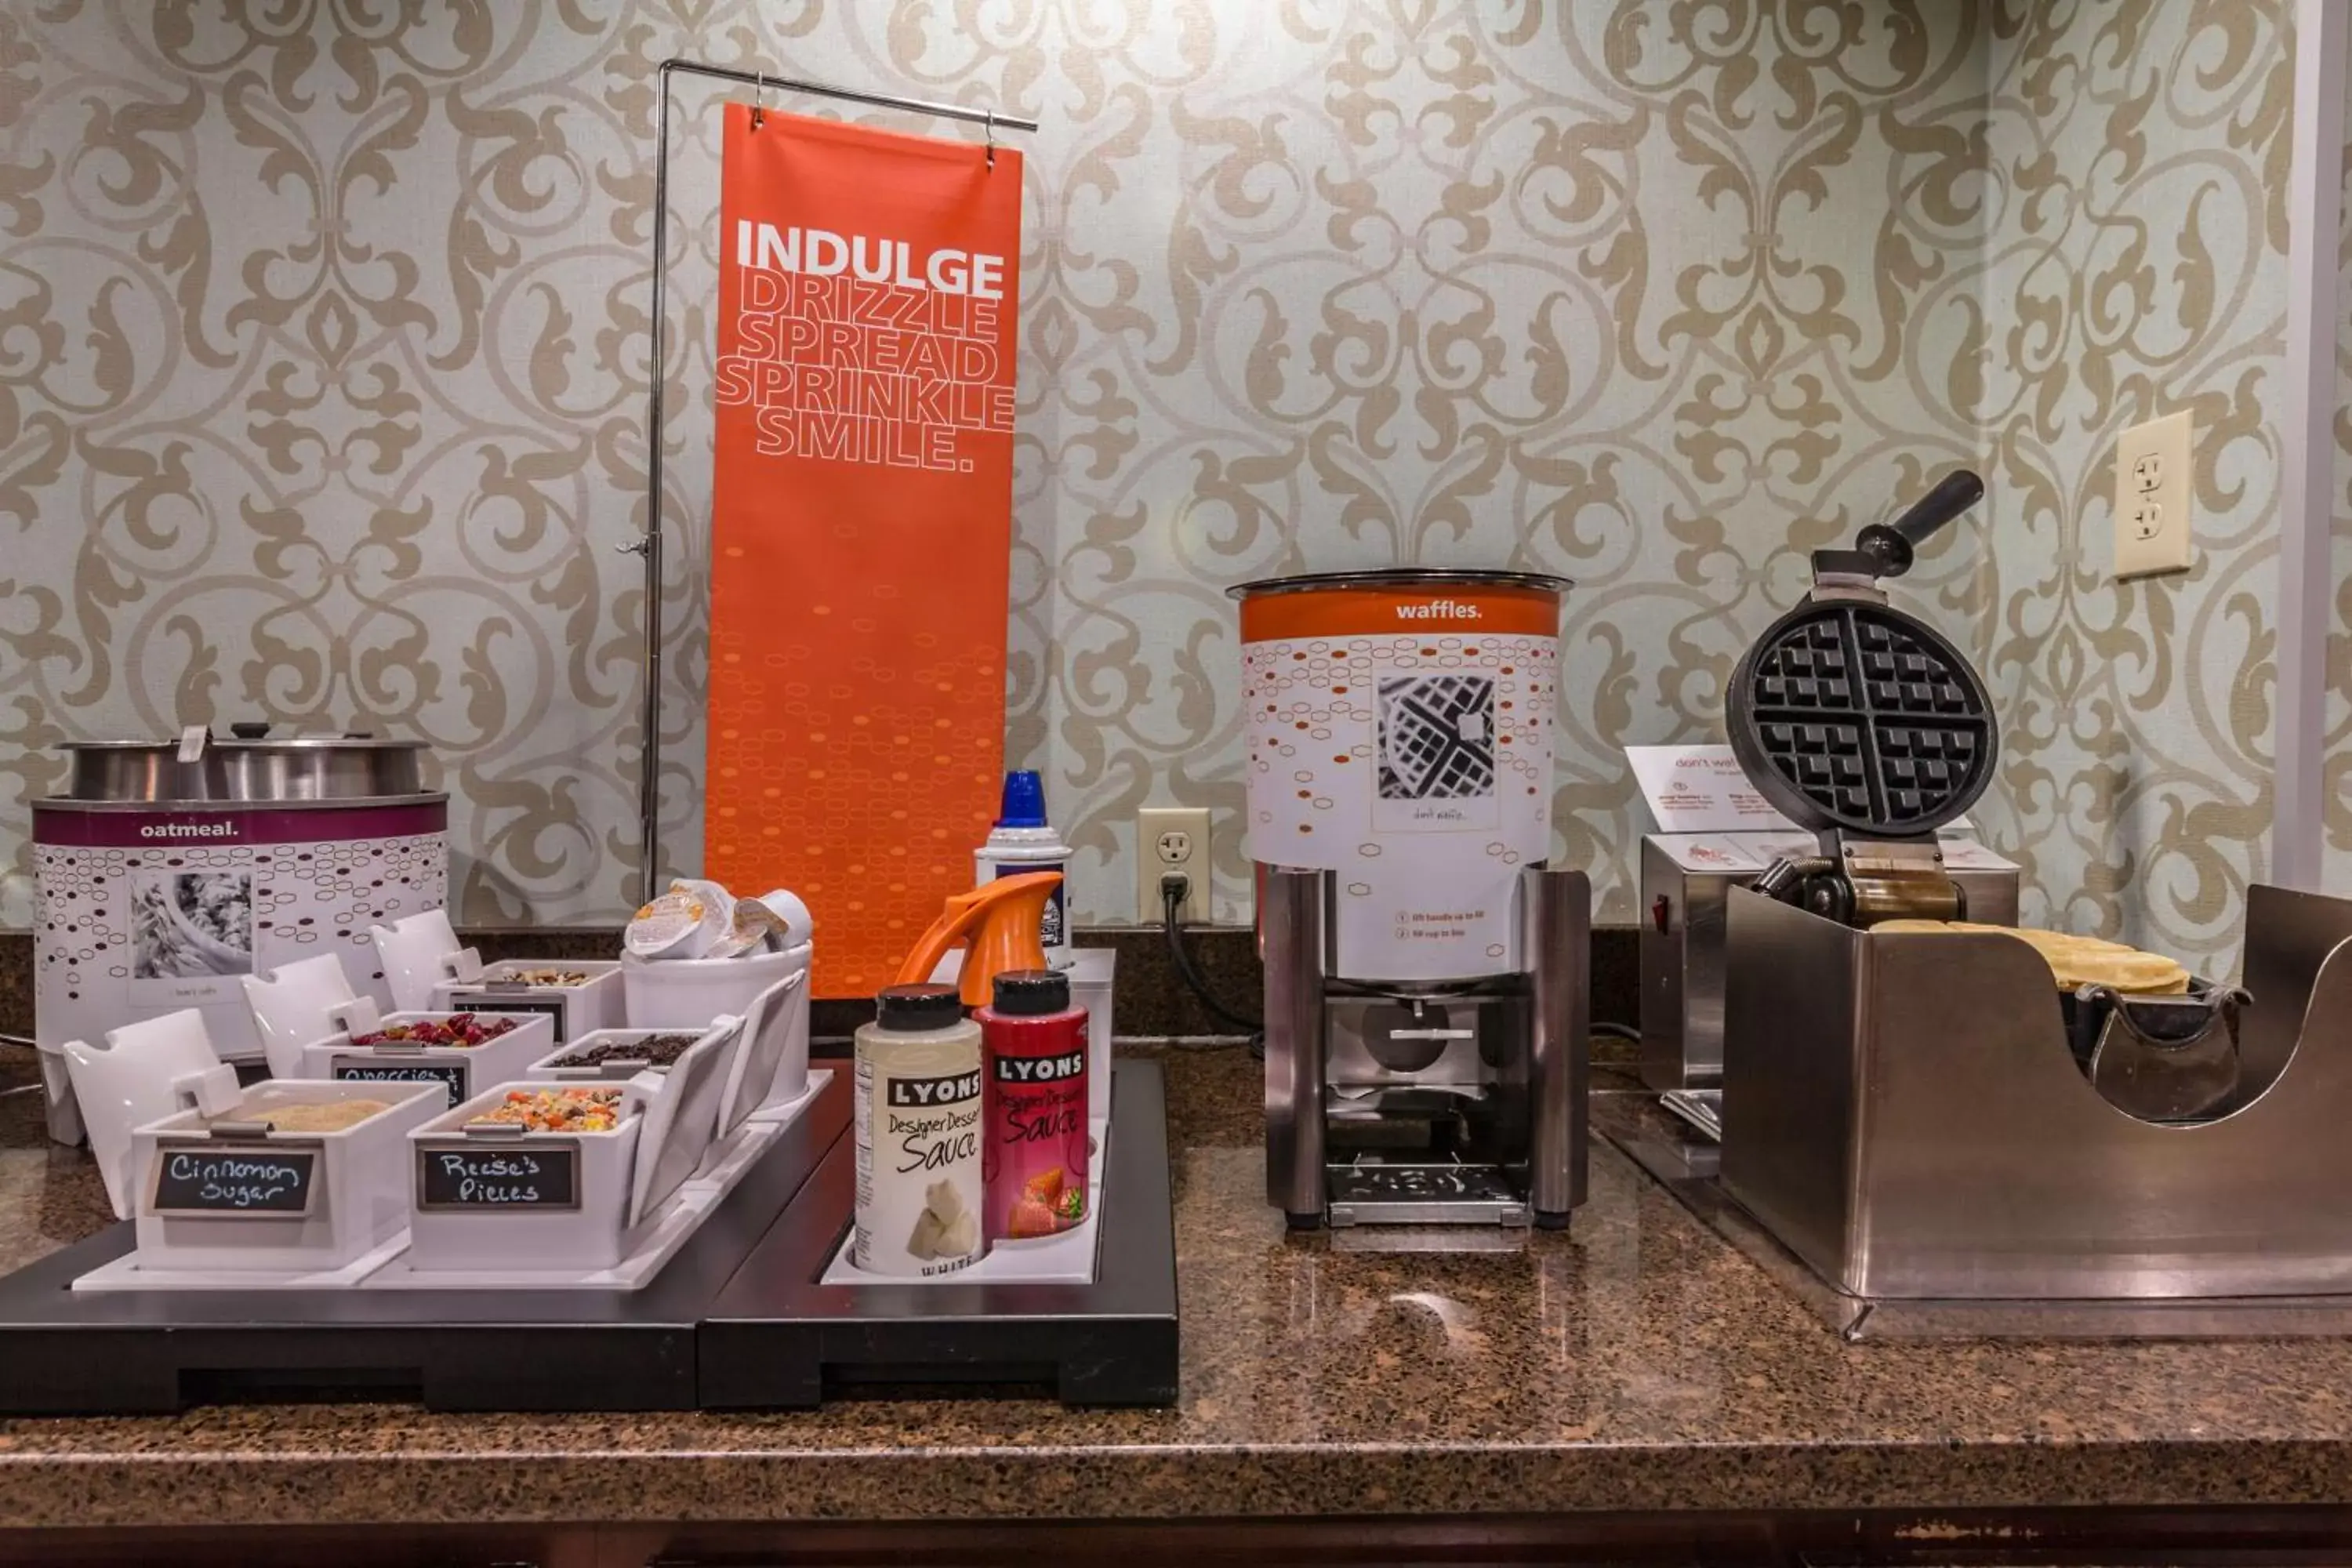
(1922, 1115)
(1425, 972)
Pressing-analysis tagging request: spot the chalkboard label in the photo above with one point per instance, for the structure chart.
(472, 1177)
(214, 1179)
(378, 1069)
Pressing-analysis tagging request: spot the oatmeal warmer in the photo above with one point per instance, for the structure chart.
(168, 869)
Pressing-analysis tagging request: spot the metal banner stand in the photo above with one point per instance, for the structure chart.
(648, 545)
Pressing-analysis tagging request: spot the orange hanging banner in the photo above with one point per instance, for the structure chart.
(861, 526)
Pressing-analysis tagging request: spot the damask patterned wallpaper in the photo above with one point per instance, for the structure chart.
(322, 376)
(2338, 871)
(324, 368)
(2135, 263)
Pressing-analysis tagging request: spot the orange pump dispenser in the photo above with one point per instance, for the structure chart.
(997, 925)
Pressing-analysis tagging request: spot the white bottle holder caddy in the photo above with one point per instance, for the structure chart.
(1066, 1257)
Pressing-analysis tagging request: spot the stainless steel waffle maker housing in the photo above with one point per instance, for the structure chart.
(1685, 880)
(1924, 1116)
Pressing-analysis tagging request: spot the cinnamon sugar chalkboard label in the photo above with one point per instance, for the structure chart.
(208, 1178)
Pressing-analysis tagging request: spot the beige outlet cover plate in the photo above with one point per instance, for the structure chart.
(1171, 839)
(2155, 489)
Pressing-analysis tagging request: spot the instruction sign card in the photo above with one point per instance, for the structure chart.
(1701, 789)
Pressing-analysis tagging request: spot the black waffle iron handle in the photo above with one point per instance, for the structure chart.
(1890, 545)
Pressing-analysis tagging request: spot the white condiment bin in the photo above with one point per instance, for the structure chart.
(358, 1191)
(688, 993)
(597, 1003)
(588, 1232)
(624, 1176)
(484, 1066)
(552, 1068)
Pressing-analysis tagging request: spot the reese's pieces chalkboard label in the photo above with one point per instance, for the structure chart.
(495, 1175)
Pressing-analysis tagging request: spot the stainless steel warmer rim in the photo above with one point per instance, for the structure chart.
(306, 769)
(1409, 577)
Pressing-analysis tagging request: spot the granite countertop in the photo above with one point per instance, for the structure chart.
(1635, 1362)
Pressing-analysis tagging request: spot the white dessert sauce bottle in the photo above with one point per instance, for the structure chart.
(920, 1192)
(1021, 841)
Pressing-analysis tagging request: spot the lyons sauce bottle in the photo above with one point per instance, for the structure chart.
(919, 1135)
(1034, 1131)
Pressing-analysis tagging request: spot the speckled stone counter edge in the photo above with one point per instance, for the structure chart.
(169, 1488)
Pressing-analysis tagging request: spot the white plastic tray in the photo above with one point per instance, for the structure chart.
(1066, 1258)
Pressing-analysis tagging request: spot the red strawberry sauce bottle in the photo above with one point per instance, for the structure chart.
(1034, 1117)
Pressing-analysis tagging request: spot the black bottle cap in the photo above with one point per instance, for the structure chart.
(912, 1008)
(1032, 993)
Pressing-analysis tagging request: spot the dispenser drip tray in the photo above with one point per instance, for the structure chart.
(1370, 1190)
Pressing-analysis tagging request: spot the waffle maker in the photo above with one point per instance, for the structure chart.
(1864, 726)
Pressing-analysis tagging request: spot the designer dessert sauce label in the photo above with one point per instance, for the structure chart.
(1036, 1151)
(919, 1187)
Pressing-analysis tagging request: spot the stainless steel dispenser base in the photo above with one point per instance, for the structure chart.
(1359, 1080)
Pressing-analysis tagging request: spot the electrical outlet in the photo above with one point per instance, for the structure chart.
(2153, 490)
(1171, 839)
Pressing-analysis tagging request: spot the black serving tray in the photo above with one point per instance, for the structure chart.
(776, 1337)
(158, 1353)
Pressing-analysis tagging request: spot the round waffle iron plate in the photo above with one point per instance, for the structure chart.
(1850, 715)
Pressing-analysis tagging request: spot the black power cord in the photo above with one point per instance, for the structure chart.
(1173, 888)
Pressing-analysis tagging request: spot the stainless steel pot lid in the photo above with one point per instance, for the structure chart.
(1409, 578)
